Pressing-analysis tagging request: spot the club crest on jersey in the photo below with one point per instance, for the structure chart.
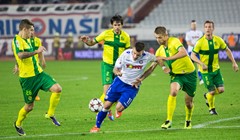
(141, 61)
(134, 66)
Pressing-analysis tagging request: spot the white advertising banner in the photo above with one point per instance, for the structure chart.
(78, 19)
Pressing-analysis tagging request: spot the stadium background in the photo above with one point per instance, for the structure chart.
(90, 17)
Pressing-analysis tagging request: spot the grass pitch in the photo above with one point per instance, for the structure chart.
(81, 81)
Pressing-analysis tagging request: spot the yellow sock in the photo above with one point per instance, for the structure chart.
(189, 113)
(211, 101)
(171, 105)
(54, 100)
(21, 116)
(102, 97)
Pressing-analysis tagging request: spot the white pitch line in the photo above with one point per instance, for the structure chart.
(213, 122)
(199, 126)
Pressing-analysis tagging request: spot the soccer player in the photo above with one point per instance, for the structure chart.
(191, 38)
(182, 72)
(207, 47)
(36, 43)
(115, 42)
(128, 67)
(31, 76)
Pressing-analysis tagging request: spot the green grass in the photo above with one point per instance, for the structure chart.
(81, 81)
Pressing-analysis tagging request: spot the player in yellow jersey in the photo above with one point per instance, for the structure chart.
(31, 76)
(115, 42)
(207, 47)
(36, 43)
(182, 72)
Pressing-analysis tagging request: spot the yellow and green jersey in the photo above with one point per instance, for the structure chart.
(179, 66)
(28, 67)
(36, 43)
(114, 44)
(208, 52)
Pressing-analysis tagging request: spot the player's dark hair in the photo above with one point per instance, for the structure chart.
(25, 23)
(193, 20)
(161, 30)
(117, 18)
(209, 21)
(139, 46)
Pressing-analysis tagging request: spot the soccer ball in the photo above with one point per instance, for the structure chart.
(95, 105)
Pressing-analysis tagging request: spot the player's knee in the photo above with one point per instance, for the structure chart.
(174, 92)
(221, 91)
(119, 107)
(56, 88)
(28, 108)
(189, 105)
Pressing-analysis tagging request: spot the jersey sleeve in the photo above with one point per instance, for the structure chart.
(119, 62)
(100, 37)
(177, 44)
(197, 47)
(17, 46)
(223, 45)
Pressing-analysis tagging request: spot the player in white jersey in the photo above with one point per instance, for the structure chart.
(128, 68)
(191, 38)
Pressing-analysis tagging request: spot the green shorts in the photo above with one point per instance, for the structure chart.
(188, 82)
(213, 80)
(107, 73)
(31, 86)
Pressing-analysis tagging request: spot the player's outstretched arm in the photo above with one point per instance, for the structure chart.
(230, 56)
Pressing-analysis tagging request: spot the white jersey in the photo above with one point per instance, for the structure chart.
(193, 36)
(131, 70)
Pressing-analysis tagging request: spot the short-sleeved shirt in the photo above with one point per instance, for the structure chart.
(114, 44)
(179, 66)
(133, 69)
(36, 43)
(28, 67)
(208, 51)
(193, 36)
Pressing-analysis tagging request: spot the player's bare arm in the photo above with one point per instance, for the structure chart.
(15, 69)
(87, 40)
(23, 55)
(195, 59)
(230, 56)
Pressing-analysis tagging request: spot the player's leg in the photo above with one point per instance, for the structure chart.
(30, 90)
(22, 114)
(101, 116)
(54, 100)
(211, 81)
(107, 79)
(171, 103)
(190, 85)
(49, 84)
(128, 94)
(112, 96)
(189, 107)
